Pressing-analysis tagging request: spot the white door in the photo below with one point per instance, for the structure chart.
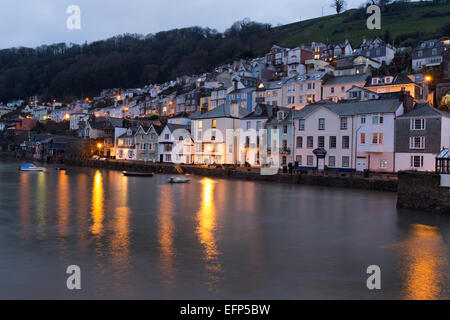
(361, 164)
(321, 164)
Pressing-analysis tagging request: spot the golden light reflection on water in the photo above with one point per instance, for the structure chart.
(24, 205)
(120, 240)
(166, 232)
(41, 214)
(63, 204)
(97, 212)
(206, 229)
(82, 204)
(425, 262)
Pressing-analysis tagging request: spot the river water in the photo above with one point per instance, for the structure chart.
(142, 238)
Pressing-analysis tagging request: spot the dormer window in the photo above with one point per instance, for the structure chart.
(281, 115)
(388, 79)
(375, 80)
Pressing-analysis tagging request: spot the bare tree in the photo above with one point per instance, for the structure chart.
(339, 5)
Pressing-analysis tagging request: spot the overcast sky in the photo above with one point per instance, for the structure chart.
(31, 23)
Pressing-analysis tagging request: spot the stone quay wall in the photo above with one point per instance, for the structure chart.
(422, 191)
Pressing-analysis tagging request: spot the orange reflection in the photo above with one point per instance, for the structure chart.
(206, 228)
(166, 232)
(97, 212)
(41, 214)
(63, 204)
(425, 261)
(82, 201)
(120, 241)
(24, 196)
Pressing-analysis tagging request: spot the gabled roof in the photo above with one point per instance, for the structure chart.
(172, 127)
(346, 79)
(425, 110)
(222, 111)
(157, 128)
(262, 111)
(353, 108)
(398, 80)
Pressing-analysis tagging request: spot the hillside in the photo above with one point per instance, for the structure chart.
(63, 71)
(405, 21)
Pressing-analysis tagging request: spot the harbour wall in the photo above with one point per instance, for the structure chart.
(332, 180)
(422, 191)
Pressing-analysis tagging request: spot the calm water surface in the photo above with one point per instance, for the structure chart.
(143, 238)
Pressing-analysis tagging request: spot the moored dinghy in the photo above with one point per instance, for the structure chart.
(29, 167)
(137, 174)
(178, 180)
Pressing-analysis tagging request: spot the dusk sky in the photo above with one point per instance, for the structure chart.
(31, 23)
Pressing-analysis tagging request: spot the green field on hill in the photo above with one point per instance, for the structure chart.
(404, 20)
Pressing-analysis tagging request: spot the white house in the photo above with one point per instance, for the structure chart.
(175, 144)
(125, 147)
(216, 134)
(252, 134)
(350, 136)
(335, 89)
(375, 132)
(324, 138)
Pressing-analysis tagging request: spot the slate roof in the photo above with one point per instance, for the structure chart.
(222, 111)
(172, 127)
(398, 79)
(265, 111)
(346, 79)
(425, 110)
(353, 108)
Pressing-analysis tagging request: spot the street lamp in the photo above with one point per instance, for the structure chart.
(99, 146)
(426, 89)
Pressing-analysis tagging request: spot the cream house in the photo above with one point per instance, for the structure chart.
(335, 89)
(216, 135)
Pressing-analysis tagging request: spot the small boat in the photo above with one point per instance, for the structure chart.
(137, 174)
(29, 167)
(178, 180)
(60, 169)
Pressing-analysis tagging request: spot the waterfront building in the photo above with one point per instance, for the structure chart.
(216, 134)
(175, 144)
(420, 135)
(125, 147)
(323, 137)
(252, 135)
(375, 134)
(280, 135)
(347, 136)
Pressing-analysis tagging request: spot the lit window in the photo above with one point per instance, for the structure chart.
(214, 123)
(383, 164)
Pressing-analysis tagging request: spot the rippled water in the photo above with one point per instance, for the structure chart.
(144, 238)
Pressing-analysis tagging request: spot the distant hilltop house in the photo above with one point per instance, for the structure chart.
(430, 53)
